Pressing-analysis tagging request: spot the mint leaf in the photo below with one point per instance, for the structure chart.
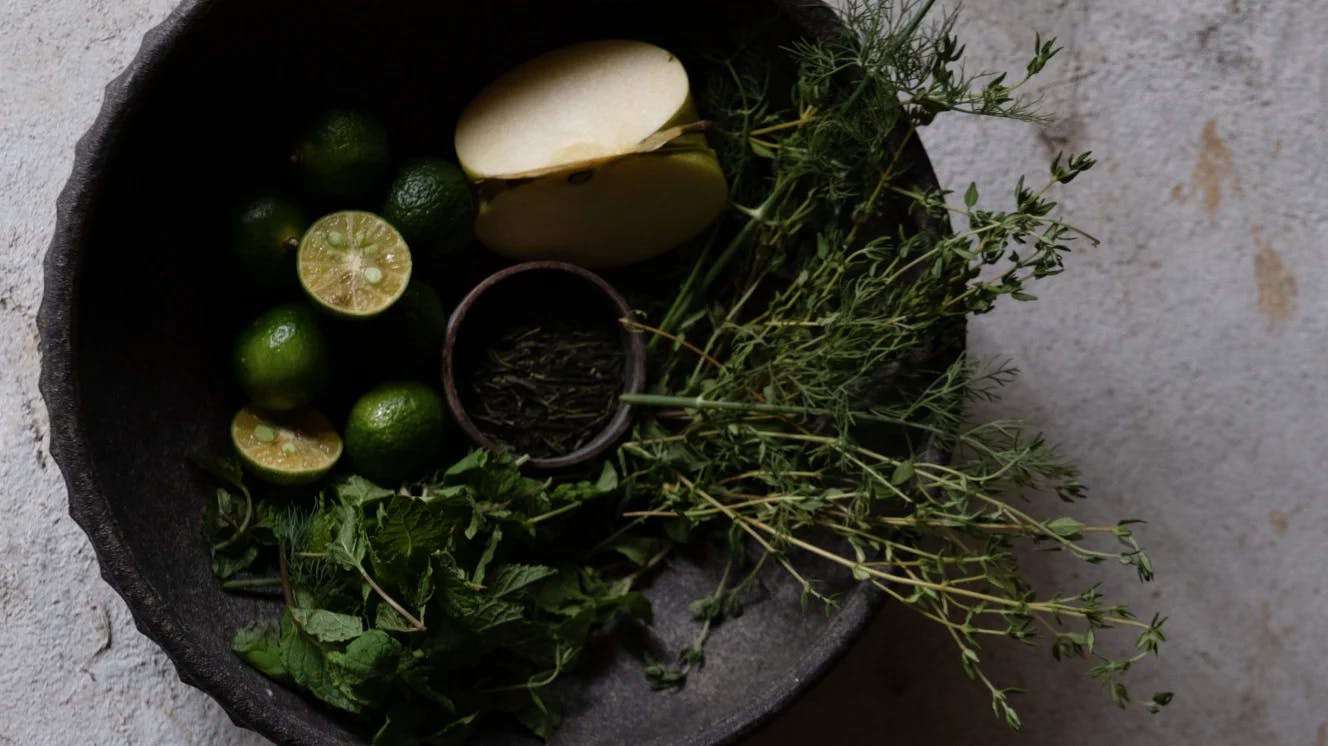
(608, 478)
(575, 491)
(640, 550)
(348, 546)
(476, 460)
(487, 556)
(417, 681)
(388, 619)
(367, 666)
(407, 533)
(327, 626)
(227, 563)
(227, 471)
(259, 644)
(478, 612)
(508, 579)
(358, 492)
(455, 733)
(424, 586)
(306, 665)
(539, 717)
(399, 727)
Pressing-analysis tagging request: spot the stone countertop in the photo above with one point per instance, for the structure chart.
(1181, 364)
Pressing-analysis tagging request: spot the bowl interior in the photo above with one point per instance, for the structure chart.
(139, 375)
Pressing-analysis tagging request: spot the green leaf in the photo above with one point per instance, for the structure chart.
(365, 669)
(561, 593)
(407, 533)
(971, 195)
(539, 717)
(466, 604)
(399, 727)
(477, 612)
(608, 478)
(760, 150)
(606, 484)
(348, 546)
(305, 663)
(1066, 528)
(903, 472)
(508, 579)
(259, 644)
(487, 556)
(1159, 700)
(227, 471)
(227, 563)
(679, 530)
(473, 461)
(455, 733)
(424, 586)
(327, 626)
(356, 491)
(417, 681)
(387, 618)
(640, 550)
(704, 609)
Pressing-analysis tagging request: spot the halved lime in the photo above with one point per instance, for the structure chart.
(354, 264)
(288, 449)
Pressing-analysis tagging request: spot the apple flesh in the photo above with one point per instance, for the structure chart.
(581, 157)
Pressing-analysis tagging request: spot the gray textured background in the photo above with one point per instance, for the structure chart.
(1181, 363)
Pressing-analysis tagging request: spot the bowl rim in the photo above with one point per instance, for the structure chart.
(634, 353)
(152, 613)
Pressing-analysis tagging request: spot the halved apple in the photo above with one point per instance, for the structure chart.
(590, 154)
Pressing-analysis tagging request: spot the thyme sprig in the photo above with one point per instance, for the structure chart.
(810, 398)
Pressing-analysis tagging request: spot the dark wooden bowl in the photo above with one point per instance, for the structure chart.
(135, 327)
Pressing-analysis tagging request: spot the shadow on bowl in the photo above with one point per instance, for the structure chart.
(135, 369)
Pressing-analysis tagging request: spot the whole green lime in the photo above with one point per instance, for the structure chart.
(281, 358)
(396, 432)
(431, 202)
(264, 237)
(344, 155)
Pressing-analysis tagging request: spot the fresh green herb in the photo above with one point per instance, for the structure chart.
(228, 518)
(809, 396)
(424, 610)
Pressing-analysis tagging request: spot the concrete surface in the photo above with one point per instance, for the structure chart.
(1181, 363)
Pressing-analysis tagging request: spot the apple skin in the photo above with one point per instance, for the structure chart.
(619, 213)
